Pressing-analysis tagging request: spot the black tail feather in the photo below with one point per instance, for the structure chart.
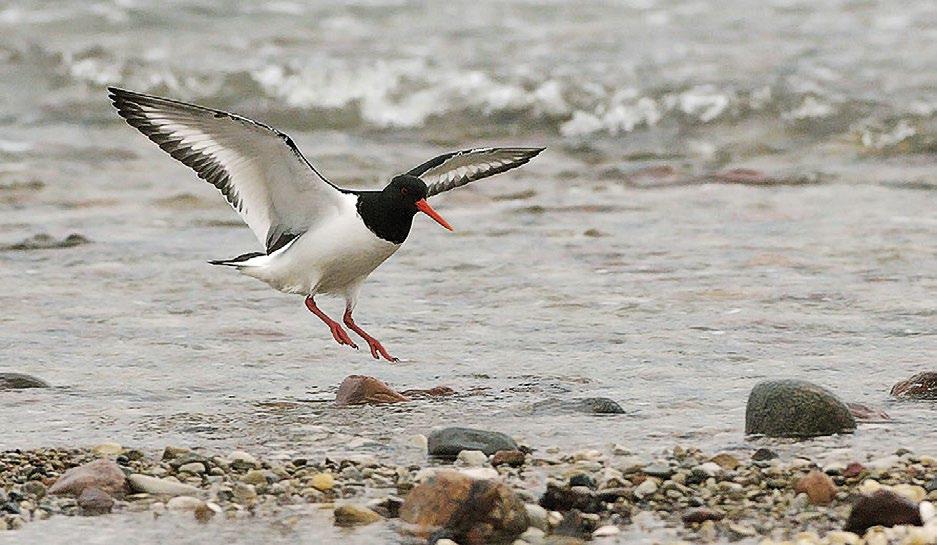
(235, 261)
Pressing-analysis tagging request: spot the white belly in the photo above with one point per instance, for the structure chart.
(333, 259)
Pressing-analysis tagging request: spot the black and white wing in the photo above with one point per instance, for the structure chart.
(258, 169)
(461, 167)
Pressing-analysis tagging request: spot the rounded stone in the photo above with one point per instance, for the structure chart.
(322, 481)
(103, 474)
(469, 510)
(795, 408)
(20, 381)
(361, 389)
(160, 487)
(354, 515)
(449, 442)
(920, 386)
(94, 501)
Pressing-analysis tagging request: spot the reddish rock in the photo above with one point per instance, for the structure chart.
(94, 501)
(743, 176)
(882, 508)
(436, 391)
(853, 470)
(513, 458)
(920, 386)
(700, 515)
(361, 389)
(102, 474)
(818, 486)
(470, 511)
(867, 413)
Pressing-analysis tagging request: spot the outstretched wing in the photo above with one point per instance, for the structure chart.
(461, 167)
(258, 169)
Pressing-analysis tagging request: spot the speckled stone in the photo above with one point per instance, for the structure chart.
(795, 408)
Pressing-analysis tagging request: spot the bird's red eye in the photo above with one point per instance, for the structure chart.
(403, 191)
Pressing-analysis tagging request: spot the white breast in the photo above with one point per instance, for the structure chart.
(334, 258)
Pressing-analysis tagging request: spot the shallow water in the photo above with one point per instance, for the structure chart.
(618, 264)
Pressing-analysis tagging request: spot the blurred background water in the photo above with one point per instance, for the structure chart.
(733, 191)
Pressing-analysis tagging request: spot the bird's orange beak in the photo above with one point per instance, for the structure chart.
(428, 210)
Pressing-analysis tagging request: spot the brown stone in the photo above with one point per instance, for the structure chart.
(725, 461)
(818, 486)
(103, 474)
(94, 501)
(513, 458)
(920, 386)
(354, 515)
(470, 511)
(882, 508)
(435, 391)
(854, 469)
(361, 389)
(700, 515)
(867, 413)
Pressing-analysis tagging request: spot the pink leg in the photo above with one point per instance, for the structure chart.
(341, 337)
(374, 344)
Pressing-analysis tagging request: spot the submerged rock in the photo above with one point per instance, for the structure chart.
(361, 390)
(882, 508)
(20, 381)
(470, 511)
(795, 408)
(435, 391)
(43, 241)
(449, 442)
(586, 405)
(920, 386)
(102, 474)
(868, 413)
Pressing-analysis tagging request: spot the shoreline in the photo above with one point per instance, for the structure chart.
(684, 493)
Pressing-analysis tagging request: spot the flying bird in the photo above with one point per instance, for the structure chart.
(318, 238)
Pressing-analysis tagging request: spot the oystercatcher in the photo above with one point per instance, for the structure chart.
(318, 238)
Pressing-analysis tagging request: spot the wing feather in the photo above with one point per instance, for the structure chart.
(458, 168)
(258, 169)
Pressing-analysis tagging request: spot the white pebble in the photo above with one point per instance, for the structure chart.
(184, 503)
(648, 487)
(471, 458)
(606, 531)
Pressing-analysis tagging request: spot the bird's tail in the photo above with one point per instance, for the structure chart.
(252, 259)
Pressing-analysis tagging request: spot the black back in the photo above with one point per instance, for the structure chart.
(389, 213)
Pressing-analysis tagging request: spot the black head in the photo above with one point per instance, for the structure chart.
(389, 213)
(403, 192)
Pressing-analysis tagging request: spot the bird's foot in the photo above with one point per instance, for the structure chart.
(341, 336)
(378, 350)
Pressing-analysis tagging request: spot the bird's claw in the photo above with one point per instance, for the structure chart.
(378, 351)
(341, 336)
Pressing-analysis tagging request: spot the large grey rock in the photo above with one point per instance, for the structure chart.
(19, 381)
(449, 442)
(795, 408)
